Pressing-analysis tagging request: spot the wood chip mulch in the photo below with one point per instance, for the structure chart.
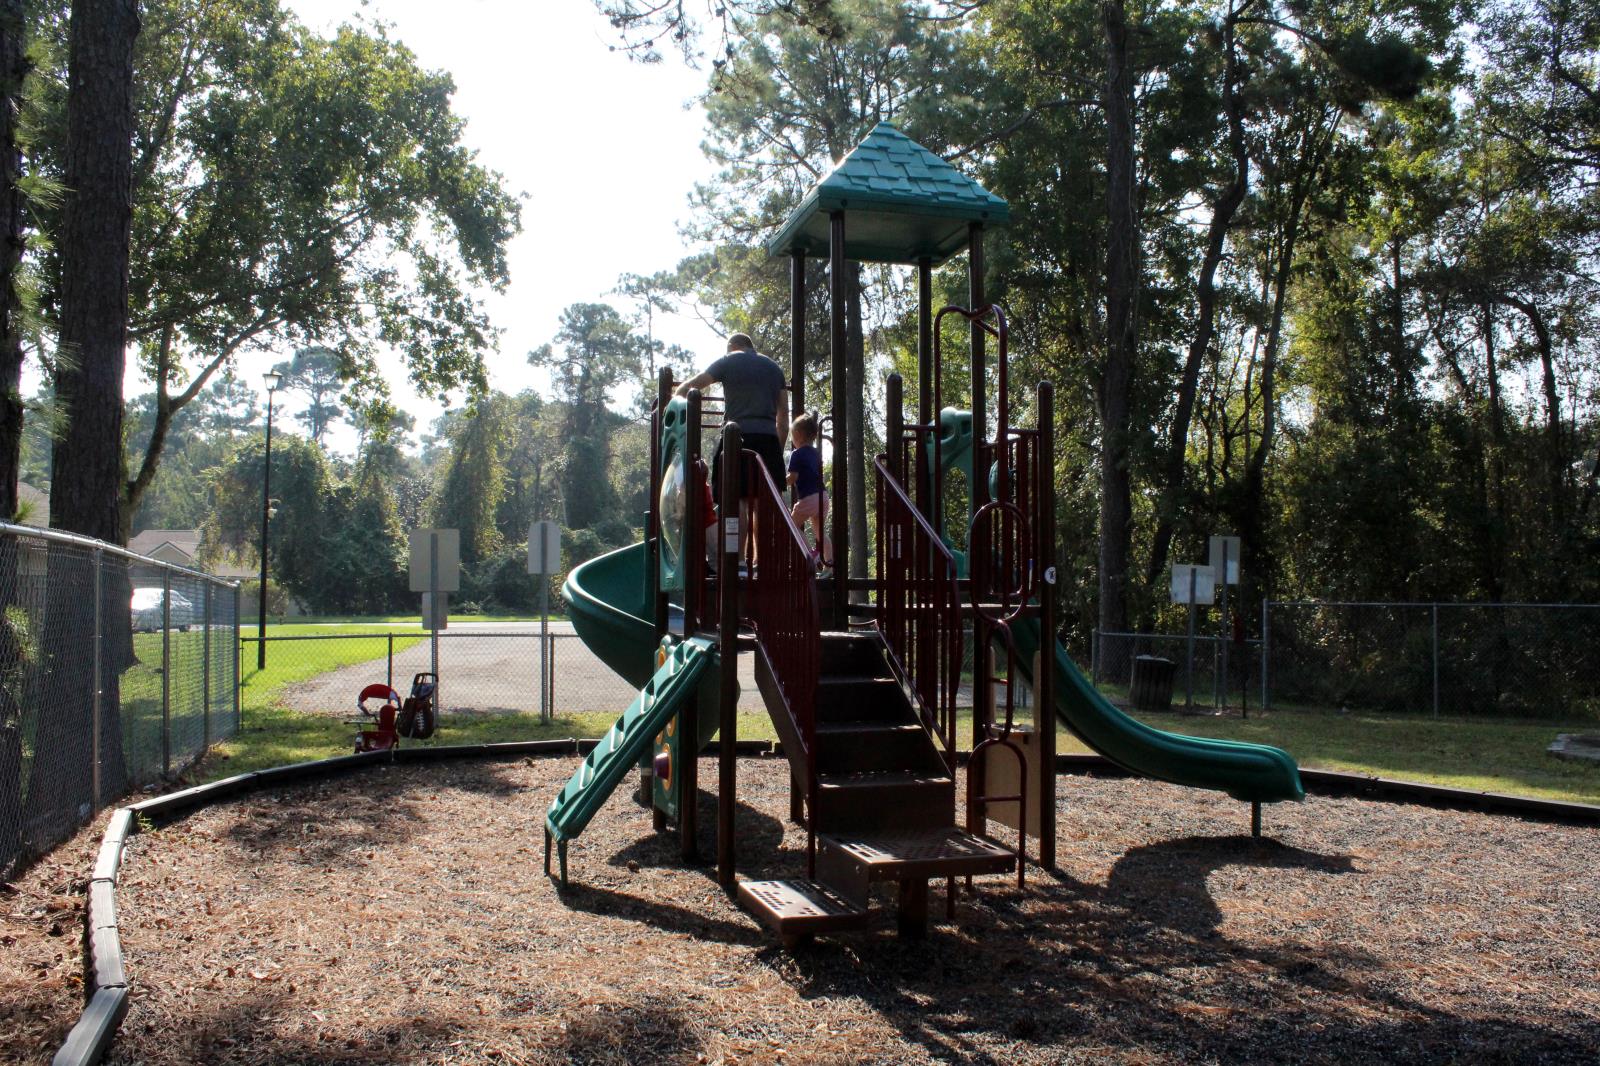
(401, 915)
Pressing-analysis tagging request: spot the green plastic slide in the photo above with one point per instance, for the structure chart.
(606, 602)
(671, 688)
(1255, 773)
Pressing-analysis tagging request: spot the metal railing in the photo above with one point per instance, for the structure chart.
(919, 603)
(116, 670)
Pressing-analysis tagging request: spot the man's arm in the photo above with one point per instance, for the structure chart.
(699, 381)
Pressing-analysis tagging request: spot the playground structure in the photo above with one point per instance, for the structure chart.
(860, 676)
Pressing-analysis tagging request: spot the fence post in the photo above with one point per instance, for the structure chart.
(1094, 656)
(238, 663)
(391, 660)
(205, 671)
(1266, 656)
(1435, 660)
(166, 672)
(95, 708)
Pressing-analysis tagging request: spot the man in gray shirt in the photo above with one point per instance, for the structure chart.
(752, 391)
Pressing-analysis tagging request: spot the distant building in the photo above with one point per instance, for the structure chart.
(177, 546)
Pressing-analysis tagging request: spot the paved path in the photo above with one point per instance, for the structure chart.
(490, 668)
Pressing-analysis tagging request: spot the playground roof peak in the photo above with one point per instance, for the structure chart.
(902, 203)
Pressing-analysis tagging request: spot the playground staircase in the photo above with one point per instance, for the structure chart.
(885, 801)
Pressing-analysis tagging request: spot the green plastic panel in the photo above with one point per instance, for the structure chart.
(669, 688)
(901, 203)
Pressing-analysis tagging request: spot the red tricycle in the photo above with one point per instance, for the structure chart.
(413, 717)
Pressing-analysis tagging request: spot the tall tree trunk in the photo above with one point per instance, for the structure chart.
(88, 475)
(13, 69)
(1222, 215)
(856, 413)
(1495, 501)
(1116, 377)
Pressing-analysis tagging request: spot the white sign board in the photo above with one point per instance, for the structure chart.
(422, 555)
(1201, 578)
(1231, 546)
(544, 548)
(435, 616)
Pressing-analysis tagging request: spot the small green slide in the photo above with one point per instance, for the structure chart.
(1255, 773)
(606, 602)
(673, 686)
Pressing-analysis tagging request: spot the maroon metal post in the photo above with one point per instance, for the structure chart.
(926, 487)
(694, 575)
(1044, 678)
(980, 381)
(733, 460)
(841, 429)
(797, 332)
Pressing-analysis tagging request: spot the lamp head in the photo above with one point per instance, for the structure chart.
(272, 378)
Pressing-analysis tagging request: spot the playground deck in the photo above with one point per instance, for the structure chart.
(301, 925)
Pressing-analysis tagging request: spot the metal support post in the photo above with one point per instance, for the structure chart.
(1188, 664)
(205, 670)
(728, 695)
(238, 663)
(1044, 714)
(1223, 631)
(1436, 660)
(544, 648)
(391, 660)
(99, 559)
(433, 617)
(1266, 654)
(166, 671)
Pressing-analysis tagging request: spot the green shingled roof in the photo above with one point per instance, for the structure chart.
(901, 203)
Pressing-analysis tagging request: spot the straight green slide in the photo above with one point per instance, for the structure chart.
(675, 685)
(1255, 773)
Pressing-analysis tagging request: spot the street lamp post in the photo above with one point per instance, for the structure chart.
(271, 378)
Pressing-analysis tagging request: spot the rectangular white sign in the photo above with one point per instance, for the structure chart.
(544, 548)
(1231, 546)
(1202, 578)
(730, 535)
(449, 577)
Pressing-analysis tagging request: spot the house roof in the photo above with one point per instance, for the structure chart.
(901, 202)
(149, 541)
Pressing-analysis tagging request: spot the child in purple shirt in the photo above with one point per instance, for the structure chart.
(805, 479)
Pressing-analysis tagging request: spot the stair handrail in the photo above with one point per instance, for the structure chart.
(919, 612)
(783, 606)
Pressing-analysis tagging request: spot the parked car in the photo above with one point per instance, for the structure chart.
(146, 607)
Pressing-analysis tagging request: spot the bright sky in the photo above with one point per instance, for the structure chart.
(605, 151)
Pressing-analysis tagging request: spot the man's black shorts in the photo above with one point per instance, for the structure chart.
(767, 446)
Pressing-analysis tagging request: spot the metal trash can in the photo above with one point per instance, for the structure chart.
(1151, 687)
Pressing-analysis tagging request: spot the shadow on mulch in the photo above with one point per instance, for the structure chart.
(389, 811)
(1129, 966)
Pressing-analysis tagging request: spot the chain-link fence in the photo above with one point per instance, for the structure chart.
(487, 670)
(1512, 660)
(115, 670)
(1199, 666)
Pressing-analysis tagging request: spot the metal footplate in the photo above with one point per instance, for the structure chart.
(799, 908)
(850, 864)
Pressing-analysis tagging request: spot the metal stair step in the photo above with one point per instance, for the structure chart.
(798, 907)
(846, 699)
(856, 746)
(947, 852)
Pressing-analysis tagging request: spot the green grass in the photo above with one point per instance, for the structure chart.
(1499, 755)
(274, 625)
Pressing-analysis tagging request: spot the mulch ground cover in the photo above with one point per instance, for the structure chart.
(401, 915)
